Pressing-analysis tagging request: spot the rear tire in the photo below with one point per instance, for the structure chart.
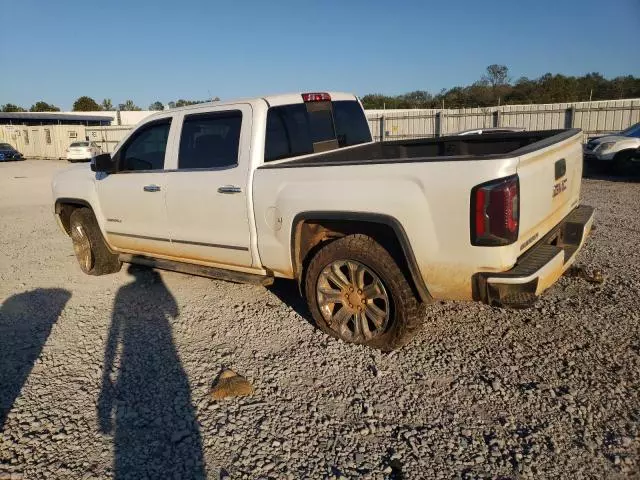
(356, 292)
(91, 251)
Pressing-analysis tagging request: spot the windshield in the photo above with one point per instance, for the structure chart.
(632, 131)
(80, 144)
(5, 146)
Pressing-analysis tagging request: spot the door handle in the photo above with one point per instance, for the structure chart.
(151, 188)
(229, 189)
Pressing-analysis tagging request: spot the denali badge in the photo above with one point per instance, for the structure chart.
(559, 187)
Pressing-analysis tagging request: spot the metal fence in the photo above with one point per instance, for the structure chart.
(594, 118)
(107, 137)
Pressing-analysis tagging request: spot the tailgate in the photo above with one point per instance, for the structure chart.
(550, 179)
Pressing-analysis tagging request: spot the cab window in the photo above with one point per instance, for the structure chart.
(146, 149)
(210, 140)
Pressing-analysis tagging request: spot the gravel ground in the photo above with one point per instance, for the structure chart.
(109, 376)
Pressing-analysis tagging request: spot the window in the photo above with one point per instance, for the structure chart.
(210, 140)
(146, 149)
(73, 134)
(47, 135)
(293, 130)
(351, 124)
(287, 132)
(79, 144)
(26, 137)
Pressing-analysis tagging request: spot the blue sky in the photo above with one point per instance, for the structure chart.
(165, 50)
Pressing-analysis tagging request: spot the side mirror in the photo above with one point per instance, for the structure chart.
(103, 163)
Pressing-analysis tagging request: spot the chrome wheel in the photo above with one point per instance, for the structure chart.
(353, 300)
(82, 247)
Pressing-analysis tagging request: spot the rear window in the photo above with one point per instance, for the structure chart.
(80, 144)
(293, 129)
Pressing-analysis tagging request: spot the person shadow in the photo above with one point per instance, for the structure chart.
(26, 320)
(145, 399)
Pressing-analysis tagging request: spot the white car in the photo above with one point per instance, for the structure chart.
(292, 186)
(617, 150)
(83, 151)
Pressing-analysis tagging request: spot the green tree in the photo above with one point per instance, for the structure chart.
(43, 107)
(496, 75)
(106, 104)
(85, 104)
(156, 106)
(129, 106)
(10, 107)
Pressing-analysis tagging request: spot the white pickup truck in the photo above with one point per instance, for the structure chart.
(292, 186)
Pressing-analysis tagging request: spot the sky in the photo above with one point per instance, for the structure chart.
(166, 50)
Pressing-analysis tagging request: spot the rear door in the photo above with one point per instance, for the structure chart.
(550, 179)
(133, 199)
(207, 195)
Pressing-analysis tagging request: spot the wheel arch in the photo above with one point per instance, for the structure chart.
(64, 207)
(312, 230)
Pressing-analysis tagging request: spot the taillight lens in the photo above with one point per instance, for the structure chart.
(316, 97)
(495, 212)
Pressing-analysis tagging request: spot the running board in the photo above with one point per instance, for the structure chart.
(199, 270)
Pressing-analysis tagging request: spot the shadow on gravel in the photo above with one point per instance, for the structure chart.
(288, 293)
(602, 173)
(145, 398)
(25, 324)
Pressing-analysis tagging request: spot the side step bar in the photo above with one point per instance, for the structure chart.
(199, 270)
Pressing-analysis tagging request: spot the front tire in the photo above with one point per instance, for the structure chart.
(623, 163)
(92, 253)
(356, 292)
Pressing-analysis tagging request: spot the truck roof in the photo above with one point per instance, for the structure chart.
(272, 100)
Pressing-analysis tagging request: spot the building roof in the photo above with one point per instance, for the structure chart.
(53, 116)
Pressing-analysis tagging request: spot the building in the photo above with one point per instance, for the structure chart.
(56, 118)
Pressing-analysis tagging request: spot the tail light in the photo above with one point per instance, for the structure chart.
(316, 97)
(495, 212)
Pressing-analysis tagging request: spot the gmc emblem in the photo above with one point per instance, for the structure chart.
(559, 187)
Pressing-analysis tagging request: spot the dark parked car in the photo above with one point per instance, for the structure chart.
(7, 152)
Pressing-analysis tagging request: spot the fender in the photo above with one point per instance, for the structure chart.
(373, 218)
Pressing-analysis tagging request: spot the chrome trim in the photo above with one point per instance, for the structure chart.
(185, 242)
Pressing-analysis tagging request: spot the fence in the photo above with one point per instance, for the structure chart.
(594, 118)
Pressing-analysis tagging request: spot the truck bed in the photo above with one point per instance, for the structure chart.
(480, 147)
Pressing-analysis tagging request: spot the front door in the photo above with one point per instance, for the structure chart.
(207, 202)
(133, 199)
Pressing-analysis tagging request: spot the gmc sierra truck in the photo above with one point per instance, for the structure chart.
(292, 186)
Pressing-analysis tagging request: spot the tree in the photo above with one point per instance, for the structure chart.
(85, 104)
(496, 75)
(184, 103)
(106, 104)
(10, 107)
(156, 106)
(129, 106)
(43, 107)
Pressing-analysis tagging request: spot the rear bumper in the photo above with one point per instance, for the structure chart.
(541, 266)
